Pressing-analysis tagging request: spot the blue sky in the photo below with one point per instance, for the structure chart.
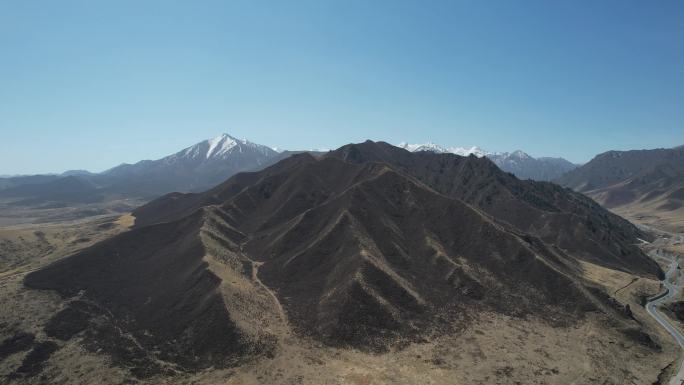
(91, 84)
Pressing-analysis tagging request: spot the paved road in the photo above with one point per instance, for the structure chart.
(652, 309)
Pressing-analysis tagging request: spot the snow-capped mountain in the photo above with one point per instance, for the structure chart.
(429, 146)
(219, 149)
(517, 162)
(223, 146)
(477, 151)
(194, 168)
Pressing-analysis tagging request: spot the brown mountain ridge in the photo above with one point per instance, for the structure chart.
(369, 246)
(644, 185)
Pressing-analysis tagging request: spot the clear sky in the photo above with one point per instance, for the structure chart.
(91, 84)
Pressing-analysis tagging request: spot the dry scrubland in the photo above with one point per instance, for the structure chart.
(667, 220)
(26, 247)
(499, 350)
(25, 312)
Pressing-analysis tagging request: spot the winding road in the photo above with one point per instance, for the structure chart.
(652, 309)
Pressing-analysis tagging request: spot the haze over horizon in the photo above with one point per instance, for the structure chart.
(90, 87)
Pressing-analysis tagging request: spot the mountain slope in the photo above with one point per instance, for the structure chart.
(195, 168)
(560, 217)
(155, 284)
(524, 166)
(569, 220)
(639, 183)
(613, 167)
(369, 246)
(518, 163)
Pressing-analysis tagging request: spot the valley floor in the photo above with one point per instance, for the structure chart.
(667, 221)
(15, 213)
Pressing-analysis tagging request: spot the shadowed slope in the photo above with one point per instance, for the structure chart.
(390, 259)
(154, 284)
(559, 216)
(352, 253)
(176, 205)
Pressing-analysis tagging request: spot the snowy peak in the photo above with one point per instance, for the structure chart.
(515, 156)
(477, 151)
(517, 162)
(518, 155)
(429, 146)
(200, 166)
(432, 147)
(222, 147)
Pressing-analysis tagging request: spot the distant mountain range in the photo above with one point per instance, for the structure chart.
(19, 180)
(637, 183)
(432, 147)
(212, 161)
(195, 168)
(517, 162)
